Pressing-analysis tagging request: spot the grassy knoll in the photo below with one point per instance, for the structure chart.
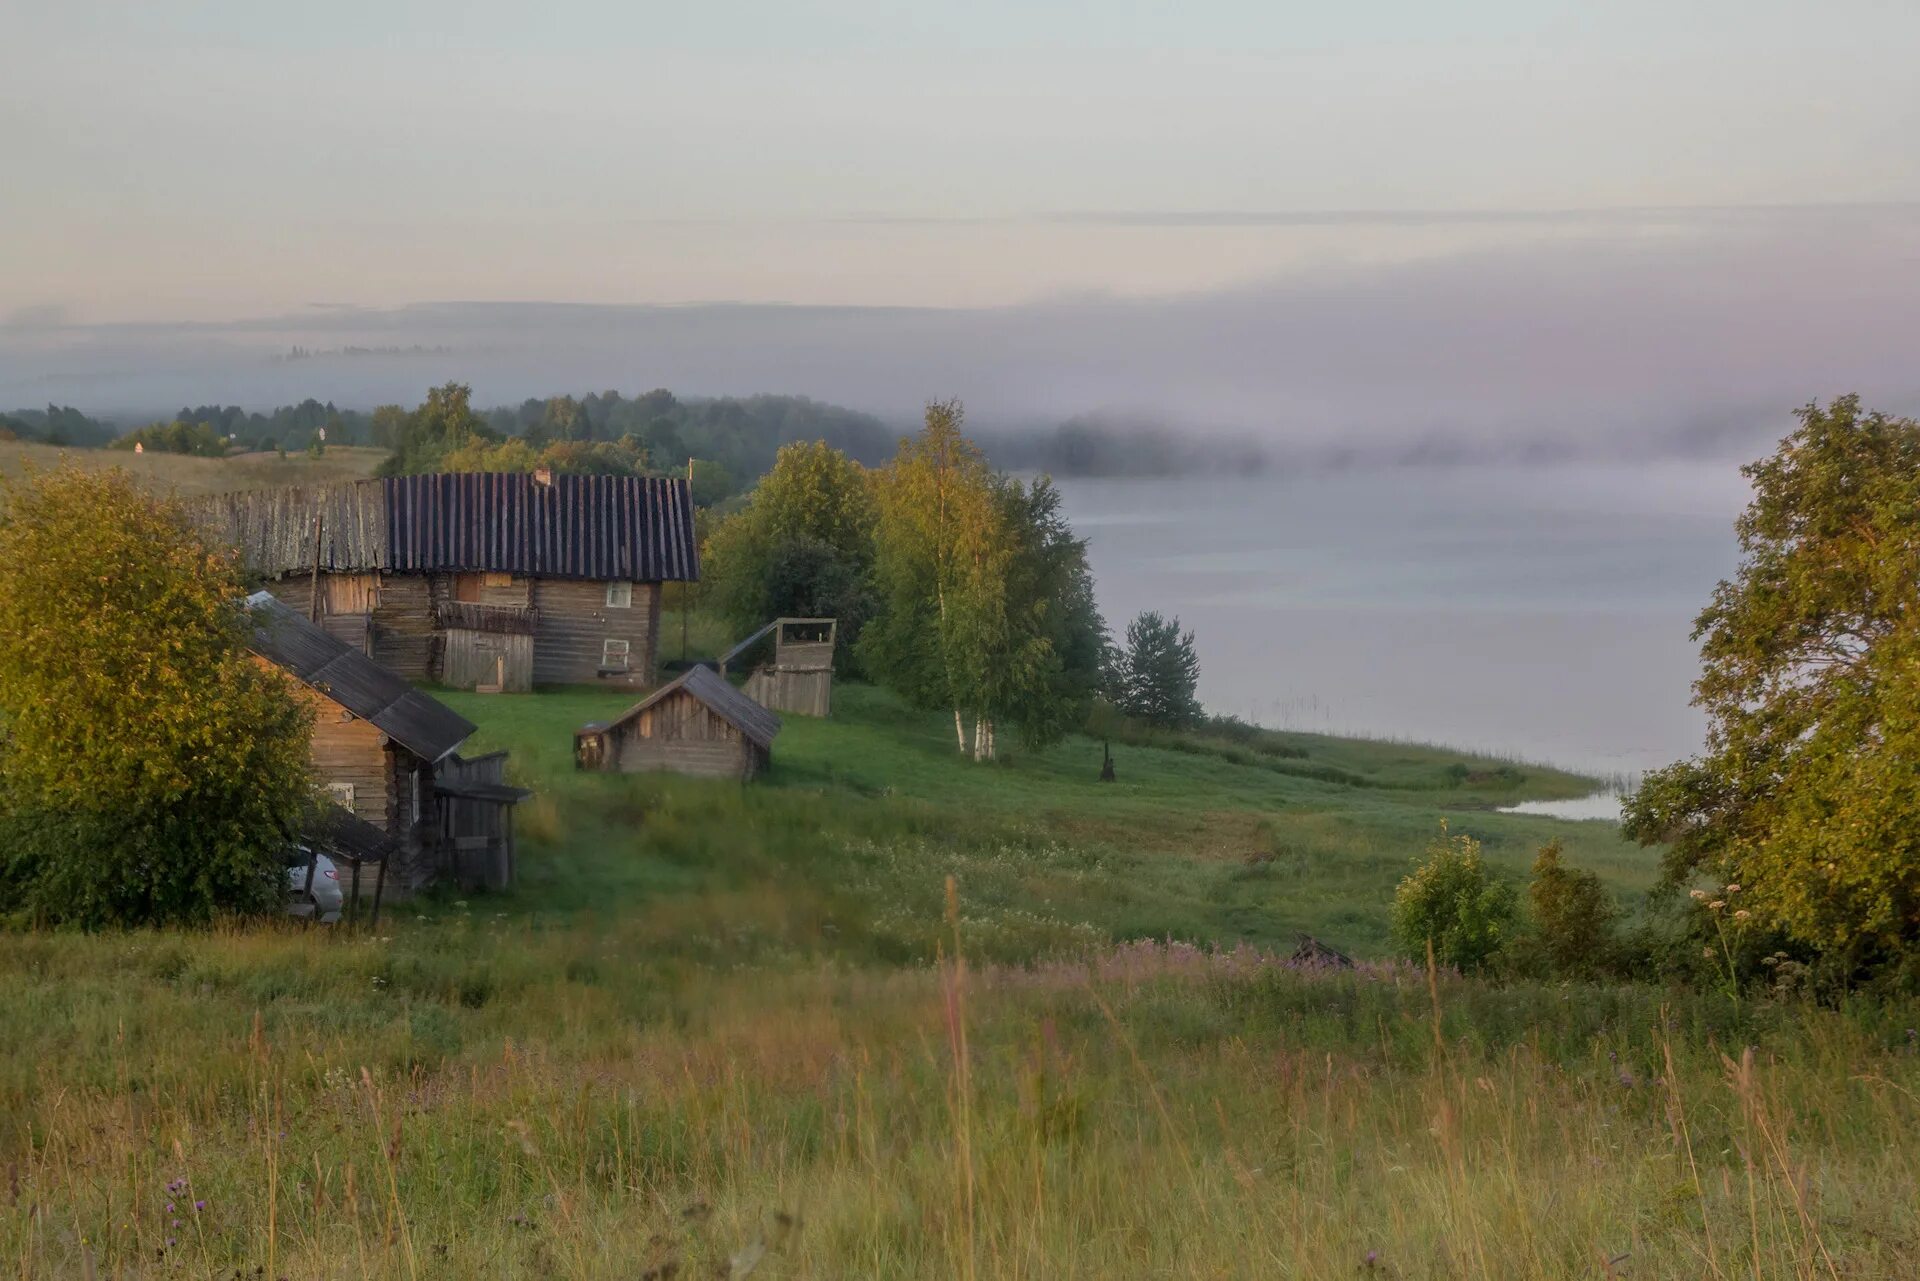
(846, 848)
(709, 1037)
(187, 477)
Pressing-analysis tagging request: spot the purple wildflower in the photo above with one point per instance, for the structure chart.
(199, 1206)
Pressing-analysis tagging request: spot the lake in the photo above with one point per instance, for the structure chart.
(1535, 611)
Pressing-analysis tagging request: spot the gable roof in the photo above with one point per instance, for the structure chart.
(341, 834)
(726, 702)
(608, 528)
(418, 722)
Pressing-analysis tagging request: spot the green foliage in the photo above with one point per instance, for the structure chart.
(712, 483)
(1155, 673)
(802, 546)
(177, 437)
(444, 424)
(1572, 917)
(1809, 792)
(58, 425)
(1453, 902)
(151, 770)
(563, 458)
(986, 600)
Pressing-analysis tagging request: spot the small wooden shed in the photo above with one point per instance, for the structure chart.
(697, 724)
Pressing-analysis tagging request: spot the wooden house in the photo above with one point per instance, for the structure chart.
(798, 675)
(385, 753)
(696, 724)
(483, 580)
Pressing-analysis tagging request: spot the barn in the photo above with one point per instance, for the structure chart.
(697, 724)
(386, 754)
(478, 580)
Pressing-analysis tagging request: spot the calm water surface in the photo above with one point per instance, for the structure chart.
(1536, 611)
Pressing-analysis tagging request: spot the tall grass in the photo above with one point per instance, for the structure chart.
(497, 1099)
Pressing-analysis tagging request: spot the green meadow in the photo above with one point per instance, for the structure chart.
(889, 1014)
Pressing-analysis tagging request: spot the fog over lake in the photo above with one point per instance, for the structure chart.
(1541, 611)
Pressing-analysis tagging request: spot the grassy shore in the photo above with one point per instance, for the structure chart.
(725, 1031)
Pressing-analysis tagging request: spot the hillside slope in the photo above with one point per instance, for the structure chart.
(185, 476)
(846, 847)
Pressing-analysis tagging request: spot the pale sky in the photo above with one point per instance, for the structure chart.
(162, 160)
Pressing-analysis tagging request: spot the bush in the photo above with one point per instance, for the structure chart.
(196, 439)
(1451, 901)
(1572, 916)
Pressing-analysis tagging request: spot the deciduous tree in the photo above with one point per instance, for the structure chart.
(150, 769)
(1808, 793)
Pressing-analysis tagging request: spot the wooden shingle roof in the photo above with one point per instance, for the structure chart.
(418, 722)
(729, 704)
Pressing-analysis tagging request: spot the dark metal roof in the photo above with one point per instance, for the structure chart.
(342, 835)
(422, 724)
(499, 793)
(634, 528)
(621, 528)
(745, 715)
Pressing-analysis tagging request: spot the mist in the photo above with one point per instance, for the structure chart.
(1632, 341)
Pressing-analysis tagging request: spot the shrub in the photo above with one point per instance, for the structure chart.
(1451, 901)
(1573, 917)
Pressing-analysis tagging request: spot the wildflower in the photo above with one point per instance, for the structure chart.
(199, 1206)
(1717, 904)
(1742, 914)
(1698, 894)
(1733, 889)
(1707, 952)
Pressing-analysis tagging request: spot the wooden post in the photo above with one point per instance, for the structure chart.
(353, 904)
(379, 887)
(313, 592)
(686, 588)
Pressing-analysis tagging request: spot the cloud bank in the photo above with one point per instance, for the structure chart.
(1623, 342)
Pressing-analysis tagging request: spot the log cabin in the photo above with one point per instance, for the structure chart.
(386, 754)
(697, 724)
(478, 580)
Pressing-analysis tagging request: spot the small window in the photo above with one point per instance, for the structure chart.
(619, 595)
(614, 655)
(494, 579)
(342, 794)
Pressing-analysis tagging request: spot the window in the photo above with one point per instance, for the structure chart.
(342, 794)
(619, 595)
(493, 578)
(614, 655)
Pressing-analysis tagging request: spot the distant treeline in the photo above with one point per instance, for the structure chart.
(738, 436)
(1090, 446)
(56, 425)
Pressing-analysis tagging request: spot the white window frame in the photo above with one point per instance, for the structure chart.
(611, 649)
(619, 595)
(342, 794)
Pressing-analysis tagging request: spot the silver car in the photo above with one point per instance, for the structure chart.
(327, 897)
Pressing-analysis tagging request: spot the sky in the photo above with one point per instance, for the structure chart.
(203, 179)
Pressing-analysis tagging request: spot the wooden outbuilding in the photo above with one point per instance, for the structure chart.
(798, 675)
(697, 724)
(500, 580)
(386, 754)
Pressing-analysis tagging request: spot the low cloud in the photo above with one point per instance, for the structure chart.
(1620, 340)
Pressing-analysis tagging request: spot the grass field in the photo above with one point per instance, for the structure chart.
(723, 1031)
(187, 477)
